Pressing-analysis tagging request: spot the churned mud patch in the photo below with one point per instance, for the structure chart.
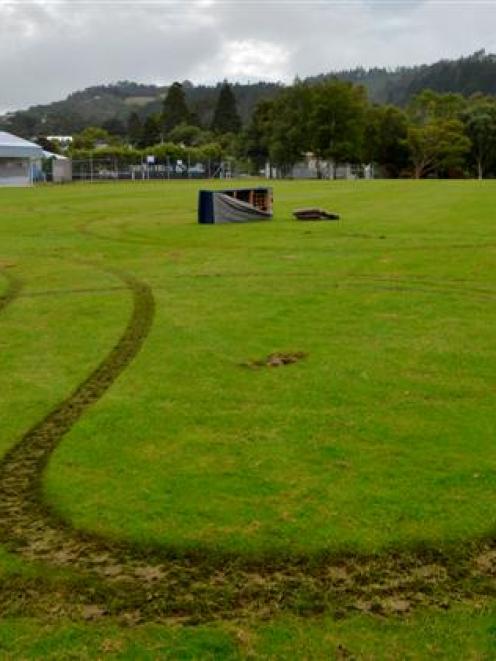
(192, 590)
(276, 359)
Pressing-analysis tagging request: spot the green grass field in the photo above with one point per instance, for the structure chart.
(381, 438)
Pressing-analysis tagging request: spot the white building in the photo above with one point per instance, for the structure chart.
(60, 166)
(16, 160)
(313, 168)
(63, 140)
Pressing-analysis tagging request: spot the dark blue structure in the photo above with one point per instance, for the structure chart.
(237, 205)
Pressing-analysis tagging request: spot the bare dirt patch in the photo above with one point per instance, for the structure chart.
(277, 359)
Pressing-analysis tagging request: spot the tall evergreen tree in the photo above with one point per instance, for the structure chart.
(114, 126)
(175, 110)
(385, 139)
(134, 129)
(256, 137)
(151, 134)
(226, 117)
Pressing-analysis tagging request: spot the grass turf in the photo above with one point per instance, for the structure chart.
(461, 633)
(383, 435)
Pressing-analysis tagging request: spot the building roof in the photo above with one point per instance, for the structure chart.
(13, 147)
(57, 157)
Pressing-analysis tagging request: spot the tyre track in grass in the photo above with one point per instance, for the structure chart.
(14, 288)
(139, 583)
(89, 230)
(92, 229)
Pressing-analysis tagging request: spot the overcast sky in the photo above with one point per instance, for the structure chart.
(49, 48)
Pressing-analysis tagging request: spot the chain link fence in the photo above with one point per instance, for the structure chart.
(115, 169)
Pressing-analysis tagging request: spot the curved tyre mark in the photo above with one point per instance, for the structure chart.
(23, 518)
(14, 287)
(87, 229)
(155, 582)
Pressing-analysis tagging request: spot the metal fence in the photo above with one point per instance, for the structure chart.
(113, 169)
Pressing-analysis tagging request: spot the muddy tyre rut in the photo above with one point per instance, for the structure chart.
(115, 577)
(13, 291)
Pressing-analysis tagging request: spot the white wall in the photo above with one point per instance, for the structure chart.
(61, 171)
(15, 172)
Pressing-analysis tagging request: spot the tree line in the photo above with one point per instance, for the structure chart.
(442, 135)
(174, 133)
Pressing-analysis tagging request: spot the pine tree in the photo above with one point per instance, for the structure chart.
(151, 134)
(175, 110)
(134, 129)
(226, 117)
(114, 126)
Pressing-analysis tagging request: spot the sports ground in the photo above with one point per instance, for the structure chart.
(167, 491)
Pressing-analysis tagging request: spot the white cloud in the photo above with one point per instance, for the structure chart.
(244, 59)
(48, 48)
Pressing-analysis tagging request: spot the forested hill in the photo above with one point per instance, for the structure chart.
(107, 104)
(467, 76)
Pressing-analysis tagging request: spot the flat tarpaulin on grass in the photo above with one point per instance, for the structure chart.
(235, 206)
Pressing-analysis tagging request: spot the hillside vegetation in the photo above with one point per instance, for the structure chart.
(466, 76)
(97, 105)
